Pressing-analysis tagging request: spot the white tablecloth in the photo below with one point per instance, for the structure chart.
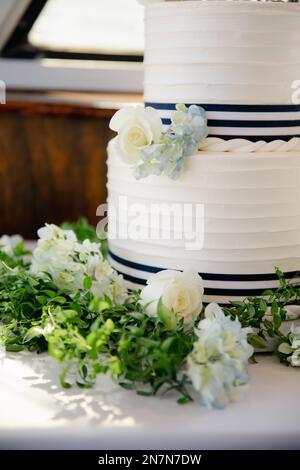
(36, 413)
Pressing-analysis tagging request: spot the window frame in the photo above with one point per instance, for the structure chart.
(18, 47)
(24, 67)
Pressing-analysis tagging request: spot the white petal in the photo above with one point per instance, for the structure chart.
(285, 348)
(213, 310)
(16, 239)
(155, 123)
(121, 118)
(165, 275)
(46, 232)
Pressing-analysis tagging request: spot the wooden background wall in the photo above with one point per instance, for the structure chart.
(52, 163)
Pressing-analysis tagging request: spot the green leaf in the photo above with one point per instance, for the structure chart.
(115, 366)
(274, 308)
(144, 393)
(103, 305)
(87, 282)
(252, 360)
(263, 305)
(127, 385)
(42, 299)
(183, 400)
(54, 351)
(267, 293)
(277, 321)
(76, 307)
(84, 371)
(166, 345)
(251, 311)
(167, 316)
(62, 378)
(238, 303)
(14, 347)
(58, 300)
(257, 342)
(49, 293)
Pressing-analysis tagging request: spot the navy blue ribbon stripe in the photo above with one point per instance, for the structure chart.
(255, 138)
(205, 276)
(208, 290)
(238, 108)
(283, 123)
(243, 123)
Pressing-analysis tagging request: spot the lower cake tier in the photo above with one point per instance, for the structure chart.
(234, 217)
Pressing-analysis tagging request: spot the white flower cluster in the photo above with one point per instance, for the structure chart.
(69, 263)
(292, 349)
(218, 363)
(151, 151)
(9, 243)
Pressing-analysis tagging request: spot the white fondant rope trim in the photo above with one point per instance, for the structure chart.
(215, 144)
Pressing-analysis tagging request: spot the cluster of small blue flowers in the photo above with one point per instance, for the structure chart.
(182, 139)
(217, 365)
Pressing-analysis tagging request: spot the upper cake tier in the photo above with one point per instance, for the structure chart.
(239, 60)
(236, 52)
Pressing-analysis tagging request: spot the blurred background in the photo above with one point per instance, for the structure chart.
(66, 66)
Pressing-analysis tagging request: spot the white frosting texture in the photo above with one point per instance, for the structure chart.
(238, 60)
(251, 218)
(236, 52)
(215, 144)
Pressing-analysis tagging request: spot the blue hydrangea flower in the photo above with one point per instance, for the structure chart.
(181, 140)
(191, 124)
(166, 158)
(150, 162)
(217, 365)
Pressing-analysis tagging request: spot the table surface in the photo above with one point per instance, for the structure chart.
(36, 413)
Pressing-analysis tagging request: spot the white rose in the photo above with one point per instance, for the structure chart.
(181, 292)
(137, 128)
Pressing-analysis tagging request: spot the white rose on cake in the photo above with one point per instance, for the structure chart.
(137, 128)
(180, 292)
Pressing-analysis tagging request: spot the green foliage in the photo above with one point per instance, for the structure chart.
(266, 314)
(91, 336)
(138, 351)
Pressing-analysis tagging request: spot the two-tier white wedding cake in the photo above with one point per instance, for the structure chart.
(239, 61)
